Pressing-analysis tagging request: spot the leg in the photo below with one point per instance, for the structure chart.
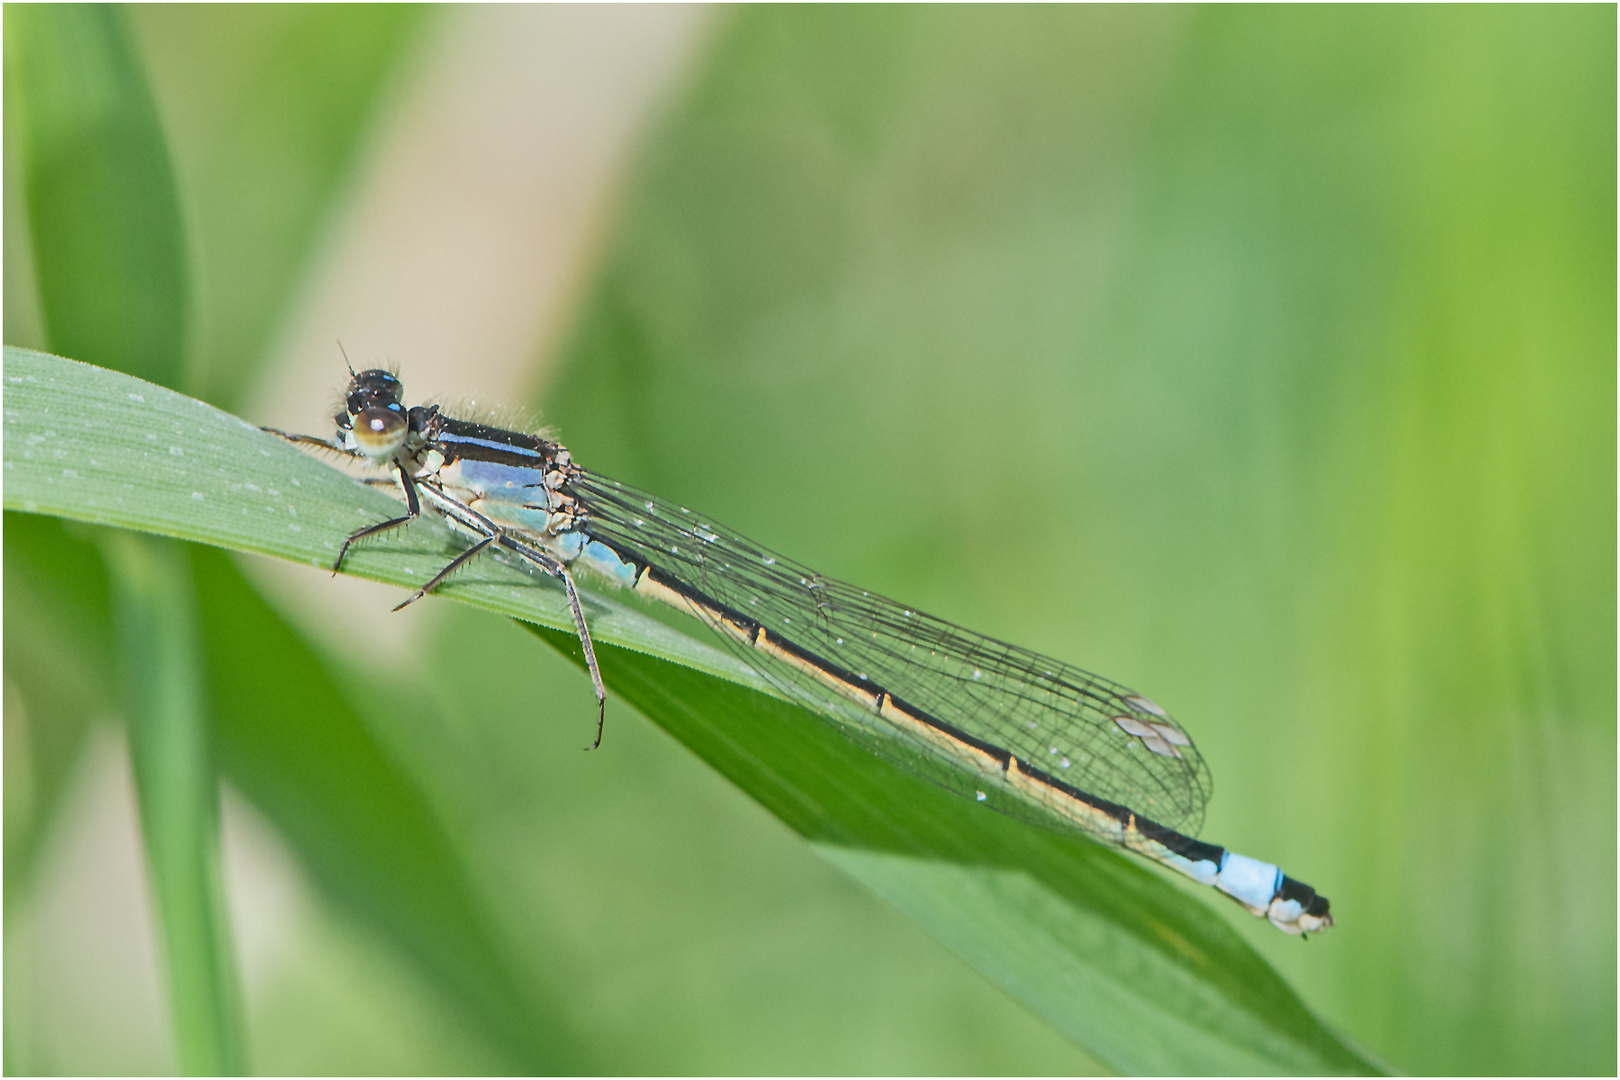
(413, 510)
(557, 570)
(413, 505)
(369, 530)
(455, 564)
(590, 655)
(547, 563)
(309, 440)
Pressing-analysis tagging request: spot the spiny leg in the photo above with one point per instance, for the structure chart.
(413, 510)
(414, 507)
(471, 519)
(453, 566)
(310, 440)
(590, 656)
(558, 570)
(369, 530)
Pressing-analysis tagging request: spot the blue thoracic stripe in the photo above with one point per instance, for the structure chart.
(965, 709)
(492, 444)
(469, 446)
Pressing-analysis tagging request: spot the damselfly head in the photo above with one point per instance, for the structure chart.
(374, 421)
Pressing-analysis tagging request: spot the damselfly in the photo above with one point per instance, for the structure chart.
(1030, 735)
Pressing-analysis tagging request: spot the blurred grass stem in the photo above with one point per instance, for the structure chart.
(178, 793)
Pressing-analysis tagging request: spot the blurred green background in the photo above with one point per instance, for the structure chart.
(1263, 359)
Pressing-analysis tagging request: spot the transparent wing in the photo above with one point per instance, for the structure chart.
(1085, 731)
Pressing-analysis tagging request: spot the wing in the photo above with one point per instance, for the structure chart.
(1085, 731)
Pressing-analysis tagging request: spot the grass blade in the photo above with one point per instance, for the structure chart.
(1106, 950)
(178, 795)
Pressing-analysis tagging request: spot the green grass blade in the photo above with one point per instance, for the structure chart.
(1110, 953)
(1125, 965)
(58, 630)
(110, 269)
(368, 836)
(286, 735)
(103, 214)
(178, 795)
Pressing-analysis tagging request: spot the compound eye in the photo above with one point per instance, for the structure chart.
(378, 432)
